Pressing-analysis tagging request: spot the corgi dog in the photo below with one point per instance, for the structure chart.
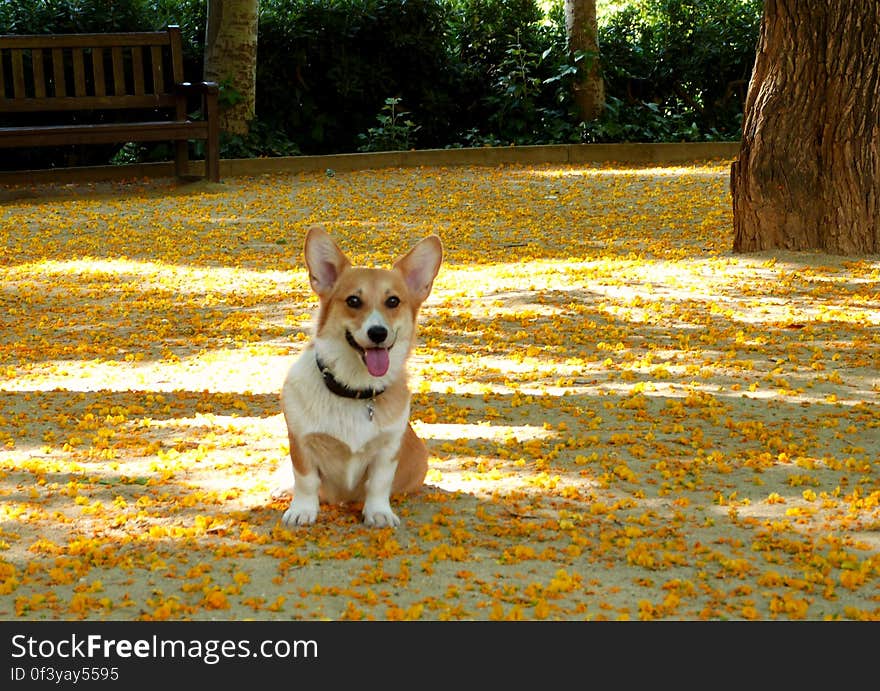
(345, 399)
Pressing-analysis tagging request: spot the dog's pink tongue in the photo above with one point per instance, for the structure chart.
(376, 360)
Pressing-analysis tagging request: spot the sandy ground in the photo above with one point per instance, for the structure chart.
(626, 420)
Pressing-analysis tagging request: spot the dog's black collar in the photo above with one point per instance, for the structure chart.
(340, 389)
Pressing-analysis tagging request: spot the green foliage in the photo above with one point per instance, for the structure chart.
(327, 66)
(677, 70)
(227, 95)
(74, 16)
(481, 30)
(66, 16)
(505, 51)
(192, 18)
(471, 72)
(261, 140)
(395, 132)
(624, 121)
(531, 100)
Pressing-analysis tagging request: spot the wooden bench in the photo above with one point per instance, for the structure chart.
(110, 88)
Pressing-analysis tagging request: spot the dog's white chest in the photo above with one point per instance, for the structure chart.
(353, 424)
(341, 436)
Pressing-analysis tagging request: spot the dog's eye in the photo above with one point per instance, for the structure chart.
(392, 302)
(353, 301)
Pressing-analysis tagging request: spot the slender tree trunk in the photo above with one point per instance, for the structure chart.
(231, 59)
(581, 28)
(808, 173)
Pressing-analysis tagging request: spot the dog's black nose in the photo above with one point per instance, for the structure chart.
(377, 334)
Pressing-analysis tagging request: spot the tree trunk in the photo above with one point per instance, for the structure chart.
(808, 173)
(581, 30)
(231, 60)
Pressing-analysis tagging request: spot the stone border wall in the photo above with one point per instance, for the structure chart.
(483, 156)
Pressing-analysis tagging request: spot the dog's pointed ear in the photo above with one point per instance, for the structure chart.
(420, 266)
(324, 260)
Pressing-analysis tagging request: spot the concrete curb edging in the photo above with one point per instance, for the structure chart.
(667, 152)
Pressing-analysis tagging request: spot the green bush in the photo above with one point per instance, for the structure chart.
(515, 74)
(73, 16)
(326, 67)
(482, 34)
(677, 70)
(394, 131)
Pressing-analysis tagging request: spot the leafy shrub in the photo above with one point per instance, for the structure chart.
(501, 49)
(532, 102)
(326, 67)
(677, 70)
(395, 132)
(73, 16)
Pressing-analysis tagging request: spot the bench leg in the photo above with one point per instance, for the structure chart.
(212, 163)
(181, 159)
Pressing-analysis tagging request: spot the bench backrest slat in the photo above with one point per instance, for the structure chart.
(98, 72)
(156, 62)
(39, 74)
(79, 72)
(118, 72)
(60, 72)
(17, 74)
(137, 59)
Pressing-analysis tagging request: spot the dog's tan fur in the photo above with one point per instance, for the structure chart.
(345, 449)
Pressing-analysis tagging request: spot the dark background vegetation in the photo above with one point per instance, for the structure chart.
(347, 75)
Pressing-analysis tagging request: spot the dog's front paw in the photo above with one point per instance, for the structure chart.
(300, 513)
(281, 491)
(380, 516)
(382, 519)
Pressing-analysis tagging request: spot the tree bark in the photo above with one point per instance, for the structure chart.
(231, 59)
(808, 173)
(581, 30)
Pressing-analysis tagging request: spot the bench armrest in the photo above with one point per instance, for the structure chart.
(206, 88)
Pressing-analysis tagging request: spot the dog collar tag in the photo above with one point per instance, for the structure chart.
(371, 408)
